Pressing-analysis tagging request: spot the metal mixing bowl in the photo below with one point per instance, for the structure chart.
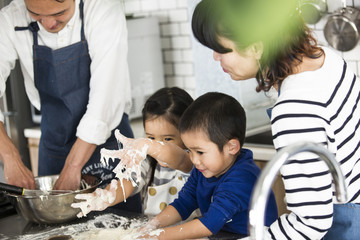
(51, 209)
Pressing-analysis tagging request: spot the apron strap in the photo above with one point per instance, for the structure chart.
(82, 20)
(33, 27)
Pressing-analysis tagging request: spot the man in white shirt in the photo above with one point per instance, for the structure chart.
(73, 55)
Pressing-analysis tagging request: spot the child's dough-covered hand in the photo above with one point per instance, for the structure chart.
(98, 200)
(133, 152)
(150, 230)
(151, 225)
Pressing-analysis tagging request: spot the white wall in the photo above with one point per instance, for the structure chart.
(177, 46)
(189, 65)
(175, 38)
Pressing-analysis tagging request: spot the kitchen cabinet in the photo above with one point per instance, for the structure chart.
(33, 144)
(263, 153)
(278, 188)
(33, 138)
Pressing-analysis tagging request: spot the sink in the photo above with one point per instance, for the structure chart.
(263, 138)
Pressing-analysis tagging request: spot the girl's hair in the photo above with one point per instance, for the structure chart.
(220, 116)
(169, 103)
(277, 24)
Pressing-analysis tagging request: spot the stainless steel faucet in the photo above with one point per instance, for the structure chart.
(263, 185)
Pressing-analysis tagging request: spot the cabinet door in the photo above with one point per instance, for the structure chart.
(278, 188)
(33, 144)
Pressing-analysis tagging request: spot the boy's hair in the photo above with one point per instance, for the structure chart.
(169, 103)
(220, 116)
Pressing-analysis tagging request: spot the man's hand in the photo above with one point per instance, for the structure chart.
(98, 200)
(69, 179)
(70, 175)
(16, 173)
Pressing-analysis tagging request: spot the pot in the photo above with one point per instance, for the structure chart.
(342, 29)
(313, 10)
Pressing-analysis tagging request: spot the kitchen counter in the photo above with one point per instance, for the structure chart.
(261, 152)
(260, 144)
(136, 125)
(14, 227)
(32, 132)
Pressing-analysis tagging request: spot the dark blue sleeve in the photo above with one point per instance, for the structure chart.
(186, 202)
(231, 202)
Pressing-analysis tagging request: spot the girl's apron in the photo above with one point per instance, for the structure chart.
(160, 196)
(62, 78)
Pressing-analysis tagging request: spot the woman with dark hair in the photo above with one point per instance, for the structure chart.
(318, 102)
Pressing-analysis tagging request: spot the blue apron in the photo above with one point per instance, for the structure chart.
(62, 78)
(346, 222)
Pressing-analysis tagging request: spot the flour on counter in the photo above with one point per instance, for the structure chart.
(108, 226)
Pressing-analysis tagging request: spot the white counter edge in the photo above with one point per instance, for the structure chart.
(261, 152)
(32, 132)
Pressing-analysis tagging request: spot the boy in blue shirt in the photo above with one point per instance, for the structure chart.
(213, 130)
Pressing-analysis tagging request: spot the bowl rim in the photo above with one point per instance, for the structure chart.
(98, 183)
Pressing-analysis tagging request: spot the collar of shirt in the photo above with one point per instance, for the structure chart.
(62, 38)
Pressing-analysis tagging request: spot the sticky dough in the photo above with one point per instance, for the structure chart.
(122, 171)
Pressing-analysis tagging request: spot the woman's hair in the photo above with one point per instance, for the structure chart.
(169, 103)
(220, 116)
(277, 24)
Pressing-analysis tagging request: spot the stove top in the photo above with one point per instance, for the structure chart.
(6, 208)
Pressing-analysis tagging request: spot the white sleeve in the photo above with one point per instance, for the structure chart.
(8, 53)
(109, 97)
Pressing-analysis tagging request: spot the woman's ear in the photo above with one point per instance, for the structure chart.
(233, 146)
(257, 49)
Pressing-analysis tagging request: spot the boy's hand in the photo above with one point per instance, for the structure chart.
(150, 230)
(98, 200)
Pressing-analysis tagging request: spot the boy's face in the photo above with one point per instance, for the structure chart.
(206, 156)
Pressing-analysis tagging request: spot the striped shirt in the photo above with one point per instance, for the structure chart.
(319, 106)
